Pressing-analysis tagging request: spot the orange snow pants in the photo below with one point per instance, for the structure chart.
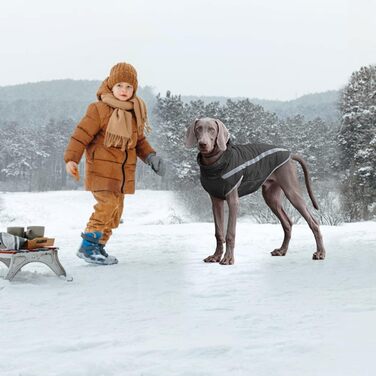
(107, 213)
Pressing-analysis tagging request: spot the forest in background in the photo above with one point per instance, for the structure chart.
(334, 131)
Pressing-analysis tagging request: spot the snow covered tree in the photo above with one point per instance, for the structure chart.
(32, 158)
(172, 117)
(20, 155)
(248, 122)
(51, 173)
(357, 141)
(316, 141)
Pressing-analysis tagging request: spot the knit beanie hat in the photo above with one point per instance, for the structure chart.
(123, 72)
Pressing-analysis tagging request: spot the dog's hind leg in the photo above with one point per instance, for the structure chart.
(290, 186)
(218, 213)
(297, 201)
(272, 194)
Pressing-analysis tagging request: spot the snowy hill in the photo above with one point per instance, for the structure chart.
(311, 106)
(34, 102)
(162, 311)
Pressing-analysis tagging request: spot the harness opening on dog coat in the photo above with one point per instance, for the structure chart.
(249, 164)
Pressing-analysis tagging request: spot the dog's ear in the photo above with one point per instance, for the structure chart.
(223, 135)
(190, 137)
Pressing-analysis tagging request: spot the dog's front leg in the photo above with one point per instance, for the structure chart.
(218, 213)
(233, 205)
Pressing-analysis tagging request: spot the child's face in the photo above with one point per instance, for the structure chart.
(122, 91)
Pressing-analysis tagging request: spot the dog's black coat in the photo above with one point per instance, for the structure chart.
(253, 163)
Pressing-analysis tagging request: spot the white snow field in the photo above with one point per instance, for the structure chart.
(162, 311)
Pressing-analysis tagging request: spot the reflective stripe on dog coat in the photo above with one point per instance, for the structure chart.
(250, 163)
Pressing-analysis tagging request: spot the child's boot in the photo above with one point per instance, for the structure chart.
(92, 251)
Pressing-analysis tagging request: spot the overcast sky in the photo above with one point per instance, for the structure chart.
(273, 49)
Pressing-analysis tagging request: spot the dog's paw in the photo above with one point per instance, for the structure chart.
(278, 252)
(319, 255)
(227, 261)
(213, 258)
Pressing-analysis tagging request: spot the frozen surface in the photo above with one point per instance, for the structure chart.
(162, 311)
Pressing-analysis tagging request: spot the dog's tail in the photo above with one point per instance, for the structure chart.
(307, 179)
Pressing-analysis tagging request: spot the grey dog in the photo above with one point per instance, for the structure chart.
(229, 171)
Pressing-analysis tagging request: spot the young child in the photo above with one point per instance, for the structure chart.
(112, 135)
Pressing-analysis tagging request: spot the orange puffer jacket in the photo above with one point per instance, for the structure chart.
(107, 168)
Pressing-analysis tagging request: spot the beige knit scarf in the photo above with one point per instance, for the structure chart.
(119, 129)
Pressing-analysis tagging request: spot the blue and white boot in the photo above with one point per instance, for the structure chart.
(92, 251)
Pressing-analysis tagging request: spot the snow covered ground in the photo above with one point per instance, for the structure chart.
(162, 311)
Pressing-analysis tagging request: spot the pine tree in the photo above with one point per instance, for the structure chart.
(316, 142)
(249, 123)
(172, 117)
(357, 141)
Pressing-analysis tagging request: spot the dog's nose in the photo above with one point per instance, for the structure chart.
(202, 144)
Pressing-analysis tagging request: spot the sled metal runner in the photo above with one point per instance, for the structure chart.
(16, 259)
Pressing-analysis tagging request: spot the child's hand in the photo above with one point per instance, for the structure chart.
(156, 163)
(72, 169)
